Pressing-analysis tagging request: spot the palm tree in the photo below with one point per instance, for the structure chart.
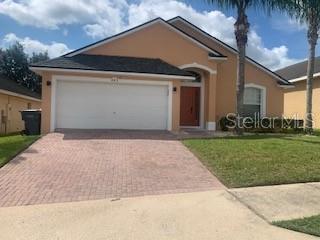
(309, 11)
(241, 29)
(305, 11)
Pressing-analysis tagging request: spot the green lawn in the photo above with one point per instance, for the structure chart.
(12, 145)
(261, 159)
(310, 225)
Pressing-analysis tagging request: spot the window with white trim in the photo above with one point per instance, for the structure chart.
(252, 102)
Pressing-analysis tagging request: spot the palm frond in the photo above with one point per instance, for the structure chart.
(299, 9)
(235, 4)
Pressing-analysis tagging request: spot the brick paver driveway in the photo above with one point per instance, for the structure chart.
(74, 166)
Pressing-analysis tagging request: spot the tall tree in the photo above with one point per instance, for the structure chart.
(309, 12)
(1, 57)
(39, 57)
(241, 29)
(306, 12)
(33, 79)
(14, 63)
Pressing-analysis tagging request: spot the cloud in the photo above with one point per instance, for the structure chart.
(274, 58)
(102, 18)
(109, 19)
(54, 49)
(65, 32)
(51, 14)
(214, 22)
(287, 24)
(208, 21)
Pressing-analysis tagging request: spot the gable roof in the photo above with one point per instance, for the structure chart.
(297, 72)
(212, 53)
(139, 27)
(113, 64)
(10, 86)
(281, 80)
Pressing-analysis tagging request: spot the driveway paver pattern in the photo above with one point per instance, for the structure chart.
(85, 165)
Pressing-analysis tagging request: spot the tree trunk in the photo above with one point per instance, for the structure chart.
(312, 39)
(241, 32)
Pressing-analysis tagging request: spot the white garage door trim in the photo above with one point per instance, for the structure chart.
(56, 78)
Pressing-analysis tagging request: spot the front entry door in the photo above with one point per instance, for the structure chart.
(190, 106)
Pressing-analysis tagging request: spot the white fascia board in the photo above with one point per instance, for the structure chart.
(199, 31)
(286, 86)
(218, 58)
(200, 66)
(303, 78)
(228, 48)
(133, 30)
(19, 95)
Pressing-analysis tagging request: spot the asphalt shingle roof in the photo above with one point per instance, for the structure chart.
(12, 86)
(113, 64)
(298, 70)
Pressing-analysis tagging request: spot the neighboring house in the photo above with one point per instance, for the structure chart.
(159, 75)
(13, 99)
(295, 98)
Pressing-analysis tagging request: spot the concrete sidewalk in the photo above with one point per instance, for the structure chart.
(282, 202)
(214, 215)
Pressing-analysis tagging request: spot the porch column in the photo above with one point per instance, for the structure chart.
(46, 103)
(212, 93)
(176, 105)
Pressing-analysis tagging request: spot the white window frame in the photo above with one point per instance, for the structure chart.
(263, 103)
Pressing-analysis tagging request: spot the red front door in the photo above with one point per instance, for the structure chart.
(189, 106)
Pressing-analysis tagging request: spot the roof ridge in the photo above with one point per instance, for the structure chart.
(295, 64)
(124, 64)
(225, 44)
(107, 38)
(44, 61)
(285, 81)
(75, 52)
(119, 56)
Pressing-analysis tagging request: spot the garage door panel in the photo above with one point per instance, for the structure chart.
(88, 105)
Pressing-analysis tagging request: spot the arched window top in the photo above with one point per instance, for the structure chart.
(199, 66)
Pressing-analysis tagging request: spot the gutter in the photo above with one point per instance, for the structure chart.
(19, 95)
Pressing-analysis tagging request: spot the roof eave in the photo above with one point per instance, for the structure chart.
(4, 91)
(303, 78)
(75, 70)
(286, 86)
(231, 49)
(137, 28)
(218, 58)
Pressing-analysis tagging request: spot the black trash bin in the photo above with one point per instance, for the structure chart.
(32, 121)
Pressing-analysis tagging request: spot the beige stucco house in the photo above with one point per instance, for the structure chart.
(295, 98)
(159, 75)
(13, 99)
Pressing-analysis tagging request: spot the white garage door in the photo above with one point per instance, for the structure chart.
(101, 105)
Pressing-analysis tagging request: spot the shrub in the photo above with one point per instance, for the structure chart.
(226, 122)
(265, 125)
